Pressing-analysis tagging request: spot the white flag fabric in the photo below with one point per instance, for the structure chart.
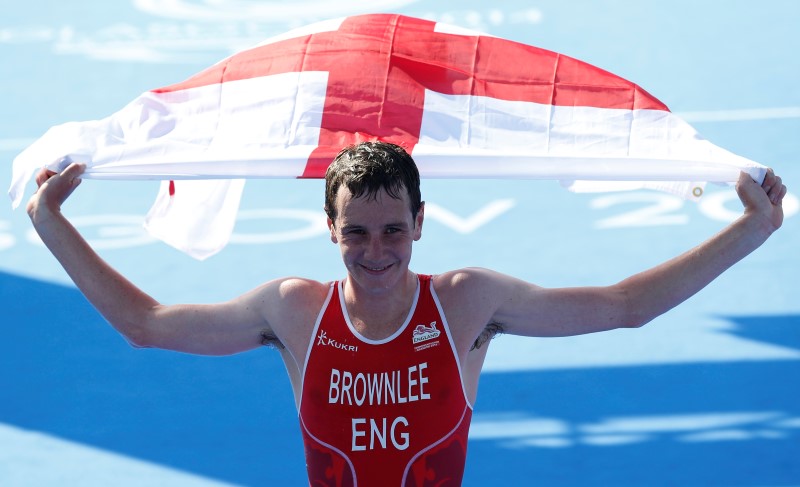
(466, 105)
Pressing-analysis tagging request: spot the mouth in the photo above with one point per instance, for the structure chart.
(375, 270)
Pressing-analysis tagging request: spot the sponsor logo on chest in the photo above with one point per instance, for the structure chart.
(424, 333)
(324, 340)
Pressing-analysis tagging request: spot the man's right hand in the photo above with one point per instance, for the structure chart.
(54, 189)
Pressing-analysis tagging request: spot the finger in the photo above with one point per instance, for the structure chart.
(746, 183)
(72, 175)
(769, 180)
(777, 194)
(752, 194)
(74, 170)
(44, 175)
(772, 185)
(781, 195)
(775, 184)
(744, 179)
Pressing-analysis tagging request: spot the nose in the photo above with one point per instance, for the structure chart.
(374, 249)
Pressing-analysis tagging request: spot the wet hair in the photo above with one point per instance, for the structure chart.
(369, 167)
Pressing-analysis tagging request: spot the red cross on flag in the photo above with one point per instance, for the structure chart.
(463, 103)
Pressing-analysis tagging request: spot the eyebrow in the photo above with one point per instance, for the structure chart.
(390, 224)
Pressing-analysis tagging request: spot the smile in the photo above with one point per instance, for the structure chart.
(376, 269)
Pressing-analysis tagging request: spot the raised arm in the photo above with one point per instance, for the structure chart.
(214, 329)
(658, 290)
(523, 308)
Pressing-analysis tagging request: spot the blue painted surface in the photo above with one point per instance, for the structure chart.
(708, 394)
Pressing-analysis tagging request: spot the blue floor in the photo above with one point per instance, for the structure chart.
(708, 394)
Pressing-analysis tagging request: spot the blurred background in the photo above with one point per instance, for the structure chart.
(708, 394)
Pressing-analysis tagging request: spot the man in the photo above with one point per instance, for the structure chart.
(385, 363)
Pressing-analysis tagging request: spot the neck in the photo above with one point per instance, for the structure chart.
(377, 315)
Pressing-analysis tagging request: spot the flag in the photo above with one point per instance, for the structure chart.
(464, 104)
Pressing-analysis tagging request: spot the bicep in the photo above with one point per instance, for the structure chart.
(206, 329)
(280, 311)
(223, 328)
(526, 309)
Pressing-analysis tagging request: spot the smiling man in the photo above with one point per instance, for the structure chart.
(385, 363)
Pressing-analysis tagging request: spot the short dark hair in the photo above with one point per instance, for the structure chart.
(368, 167)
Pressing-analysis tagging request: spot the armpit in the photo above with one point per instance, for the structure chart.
(490, 331)
(268, 339)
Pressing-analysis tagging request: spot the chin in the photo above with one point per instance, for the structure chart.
(378, 281)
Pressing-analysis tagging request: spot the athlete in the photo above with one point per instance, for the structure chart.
(385, 363)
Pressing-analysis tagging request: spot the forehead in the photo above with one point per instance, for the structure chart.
(379, 206)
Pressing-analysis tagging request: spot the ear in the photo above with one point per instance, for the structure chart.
(332, 229)
(418, 221)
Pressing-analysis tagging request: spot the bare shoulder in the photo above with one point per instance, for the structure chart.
(471, 291)
(299, 290)
(460, 277)
(470, 283)
(290, 306)
(484, 293)
(470, 298)
(291, 296)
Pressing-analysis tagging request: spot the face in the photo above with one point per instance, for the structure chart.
(375, 237)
